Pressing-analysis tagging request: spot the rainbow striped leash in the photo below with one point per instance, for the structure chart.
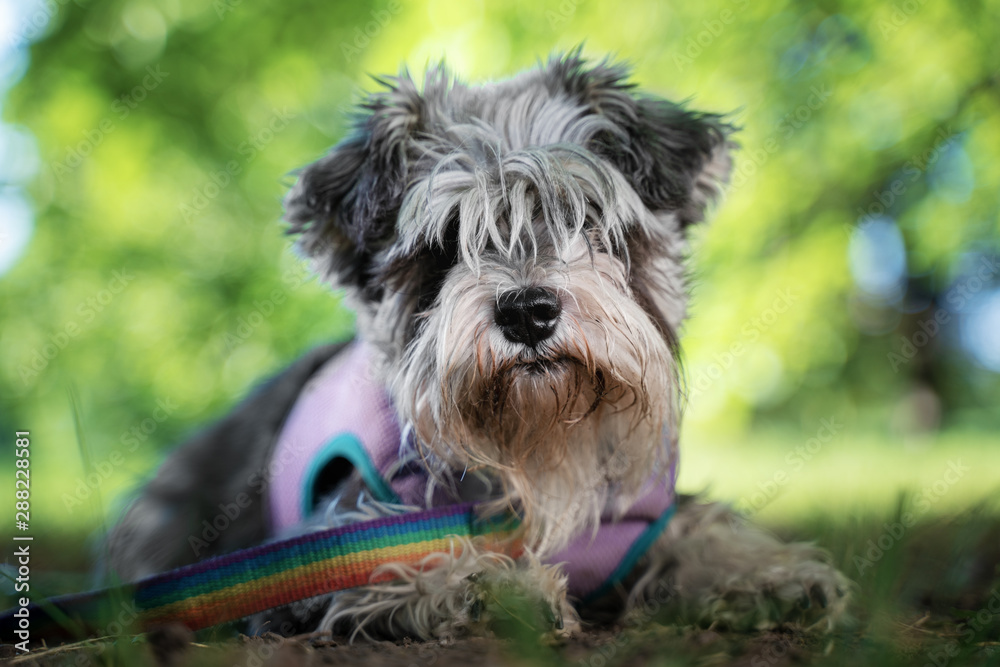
(236, 585)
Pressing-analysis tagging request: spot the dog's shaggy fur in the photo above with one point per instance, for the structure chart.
(514, 253)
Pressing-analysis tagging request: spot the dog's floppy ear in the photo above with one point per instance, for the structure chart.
(676, 160)
(344, 205)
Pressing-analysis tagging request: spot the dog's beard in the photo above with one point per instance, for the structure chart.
(574, 427)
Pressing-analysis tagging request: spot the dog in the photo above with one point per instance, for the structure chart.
(515, 255)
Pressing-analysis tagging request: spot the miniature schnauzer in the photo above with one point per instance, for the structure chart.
(515, 254)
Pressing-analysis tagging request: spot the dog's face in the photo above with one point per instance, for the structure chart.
(514, 251)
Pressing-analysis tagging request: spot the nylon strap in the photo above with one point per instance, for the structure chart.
(236, 585)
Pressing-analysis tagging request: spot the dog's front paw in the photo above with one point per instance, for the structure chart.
(529, 598)
(793, 587)
(719, 570)
(814, 594)
(456, 594)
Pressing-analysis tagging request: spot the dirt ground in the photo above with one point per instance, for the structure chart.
(594, 649)
(933, 599)
(910, 644)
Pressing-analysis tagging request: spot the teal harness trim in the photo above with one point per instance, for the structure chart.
(347, 446)
(635, 552)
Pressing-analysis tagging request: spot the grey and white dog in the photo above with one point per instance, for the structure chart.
(514, 252)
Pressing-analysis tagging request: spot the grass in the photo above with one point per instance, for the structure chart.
(849, 473)
(932, 597)
(782, 477)
(917, 527)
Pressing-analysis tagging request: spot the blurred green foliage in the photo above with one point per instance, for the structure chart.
(158, 282)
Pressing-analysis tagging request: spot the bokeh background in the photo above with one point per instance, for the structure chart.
(844, 345)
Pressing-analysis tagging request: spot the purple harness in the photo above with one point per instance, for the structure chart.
(344, 413)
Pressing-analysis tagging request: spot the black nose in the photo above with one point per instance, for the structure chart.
(527, 316)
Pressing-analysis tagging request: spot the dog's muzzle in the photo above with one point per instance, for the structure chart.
(527, 316)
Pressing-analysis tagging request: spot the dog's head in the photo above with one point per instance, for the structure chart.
(515, 251)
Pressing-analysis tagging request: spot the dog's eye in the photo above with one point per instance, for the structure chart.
(446, 253)
(437, 262)
(372, 288)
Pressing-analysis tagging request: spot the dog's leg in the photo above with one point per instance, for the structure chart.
(711, 566)
(465, 591)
